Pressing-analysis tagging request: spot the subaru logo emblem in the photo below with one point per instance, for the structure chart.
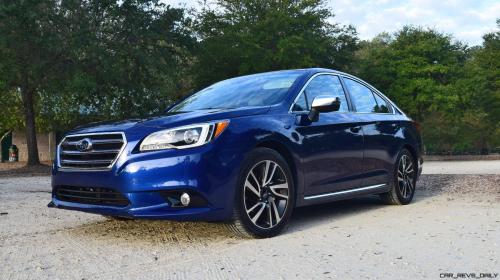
(84, 145)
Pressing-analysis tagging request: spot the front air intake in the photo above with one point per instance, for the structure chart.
(91, 195)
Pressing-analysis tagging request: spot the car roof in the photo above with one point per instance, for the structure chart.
(308, 71)
(302, 71)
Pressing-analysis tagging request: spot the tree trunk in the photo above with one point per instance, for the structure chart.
(29, 117)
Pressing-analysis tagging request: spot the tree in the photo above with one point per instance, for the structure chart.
(73, 61)
(480, 93)
(416, 67)
(31, 55)
(133, 62)
(244, 36)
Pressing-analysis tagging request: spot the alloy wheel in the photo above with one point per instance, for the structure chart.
(406, 176)
(266, 194)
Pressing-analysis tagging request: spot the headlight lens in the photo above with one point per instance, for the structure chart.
(183, 137)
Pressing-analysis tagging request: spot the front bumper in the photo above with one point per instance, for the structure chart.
(143, 178)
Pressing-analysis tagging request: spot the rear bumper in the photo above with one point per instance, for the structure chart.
(144, 178)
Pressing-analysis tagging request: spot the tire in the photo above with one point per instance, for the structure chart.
(403, 184)
(263, 203)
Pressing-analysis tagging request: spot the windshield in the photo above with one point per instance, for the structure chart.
(254, 90)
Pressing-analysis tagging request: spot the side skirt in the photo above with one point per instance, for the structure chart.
(346, 194)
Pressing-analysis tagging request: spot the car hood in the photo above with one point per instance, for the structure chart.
(169, 120)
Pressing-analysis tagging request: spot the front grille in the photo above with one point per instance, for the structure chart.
(91, 195)
(99, 153)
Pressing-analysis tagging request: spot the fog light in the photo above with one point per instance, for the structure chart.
(185, 199)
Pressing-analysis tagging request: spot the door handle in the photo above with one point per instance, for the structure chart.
(355, 129)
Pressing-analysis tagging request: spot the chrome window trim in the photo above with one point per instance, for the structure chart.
(373, 187)
(345, 75)
(107, 168)
(306, 84)
(374, 91)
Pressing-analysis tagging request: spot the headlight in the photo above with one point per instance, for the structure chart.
(183, 137)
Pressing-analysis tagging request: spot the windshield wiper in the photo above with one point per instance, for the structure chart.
(217, 108)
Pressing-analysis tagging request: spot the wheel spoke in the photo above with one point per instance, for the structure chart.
(276, 213)
(249, 186)
(270, 214)
(409, 168)
(410, 183)
(257, 216)
(277, 187)
(253, 207)
(255, 179)
(403, 193)
(266, 170)
(271, 175)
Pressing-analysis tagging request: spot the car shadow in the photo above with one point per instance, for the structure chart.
(148, 232)
(310, 216)
(315, 215)
(152, 233)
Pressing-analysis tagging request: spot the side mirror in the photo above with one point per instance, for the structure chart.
(323, 104)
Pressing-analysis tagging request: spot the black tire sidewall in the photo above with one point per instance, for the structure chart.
(254, 157)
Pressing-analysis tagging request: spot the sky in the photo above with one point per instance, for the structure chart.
(466, 20)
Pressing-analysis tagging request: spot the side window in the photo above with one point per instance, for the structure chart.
(300, 104)
(382, 106)
(361, 96)
(321, 85)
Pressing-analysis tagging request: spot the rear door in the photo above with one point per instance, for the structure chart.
(380, 129)
(332, 147)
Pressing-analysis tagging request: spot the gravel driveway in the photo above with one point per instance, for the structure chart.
(452, 227)
(462, 167)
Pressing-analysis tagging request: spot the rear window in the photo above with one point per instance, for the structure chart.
(361, 96)
(382, 105)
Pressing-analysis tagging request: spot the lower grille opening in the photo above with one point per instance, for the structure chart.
(91, 195)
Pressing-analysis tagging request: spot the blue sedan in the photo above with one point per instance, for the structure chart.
(246, 151)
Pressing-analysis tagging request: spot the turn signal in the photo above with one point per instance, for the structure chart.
(221, 126)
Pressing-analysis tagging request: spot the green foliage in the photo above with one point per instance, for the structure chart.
(453, 90)
(416, 67)
(480, 90)
(91, 60)
(245, 36)
(10, 111)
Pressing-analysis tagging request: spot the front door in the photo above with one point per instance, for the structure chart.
(332, 146)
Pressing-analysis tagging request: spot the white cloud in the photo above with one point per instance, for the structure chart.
(466, 20)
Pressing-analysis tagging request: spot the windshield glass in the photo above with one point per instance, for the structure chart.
(254, 90)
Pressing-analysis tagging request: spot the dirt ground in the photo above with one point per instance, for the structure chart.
(453, 226)
(19, 169)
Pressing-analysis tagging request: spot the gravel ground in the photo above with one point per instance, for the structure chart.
(452, 227)
(462, 167)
